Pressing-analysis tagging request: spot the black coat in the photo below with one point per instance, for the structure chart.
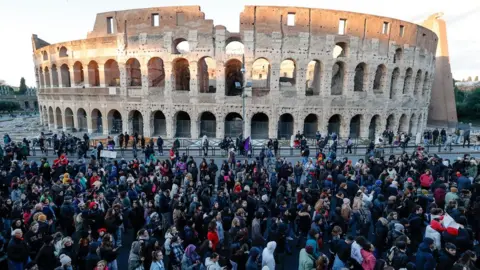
(445, 260)
(46, 259)
(17, 250)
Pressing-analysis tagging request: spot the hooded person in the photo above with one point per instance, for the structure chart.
(252, 262)
(267, 255)
(46, 258)
(135, 256)
(211, 263)
(66, 262)
(306, 260)
(424, 257)
(191, 260)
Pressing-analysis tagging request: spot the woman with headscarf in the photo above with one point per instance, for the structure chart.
(253, 263)
(191, 260)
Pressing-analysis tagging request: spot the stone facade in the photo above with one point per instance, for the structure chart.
(27, 101)
(355, 74)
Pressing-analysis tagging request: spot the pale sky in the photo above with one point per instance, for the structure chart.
(63, 20)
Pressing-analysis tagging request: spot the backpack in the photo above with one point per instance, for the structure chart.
(364, 218)
(391, 254)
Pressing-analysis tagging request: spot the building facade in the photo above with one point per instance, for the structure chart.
(169, 71)
(27, 101)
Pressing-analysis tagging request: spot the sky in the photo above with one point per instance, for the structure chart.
(63, 20)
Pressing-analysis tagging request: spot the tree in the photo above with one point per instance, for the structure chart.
(476, 78)
(9, 106)
(23, 87)
(469, 79)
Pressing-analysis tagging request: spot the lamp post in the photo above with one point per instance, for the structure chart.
(243, 70)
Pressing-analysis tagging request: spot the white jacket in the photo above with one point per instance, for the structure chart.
(355, 252)
(433, 234)
(267, 255)
(212, 265)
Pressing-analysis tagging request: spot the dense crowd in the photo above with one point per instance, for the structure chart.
(410, 211)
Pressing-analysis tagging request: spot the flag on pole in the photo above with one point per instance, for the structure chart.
(246, 144)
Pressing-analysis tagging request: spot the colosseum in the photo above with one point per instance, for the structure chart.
(169, 71)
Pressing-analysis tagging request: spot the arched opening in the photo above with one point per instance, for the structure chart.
(338, 75)
(42, 77)
(159, 123)
(58, 116)
(134, 73)
(287, 75)
(45, 116)
(82, 120)
(45, 56)
(261, 77)
(93, 74)
(233, 77)
(208, 125)
(156, 72)
(398, 55)
(97, 125)
(425, 84)
(54, 76)
(112, 73)
(394, 83)
(65, 74)
(314, 78)
(207, 78)
(259, 126)
(412, 129)
(35, 105)
(340, 50)
(51, 119)
(373, 127)
(78, 78)
(285, 126)
(310, 126)
(69, 118)
(380, 79)
(235, 47)
(115, 123)
(233, 125)
(418, 81)
(63, 52)
(334, 124)
(27, 105)
(47, 77)
(390, 122)
(180, 46)
(181, 74)
(403, 124)
(359, 79)
(182, 125)
(408, 80)
(136, 122)
(355, 126)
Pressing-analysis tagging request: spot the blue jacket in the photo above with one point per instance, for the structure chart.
(425, 260)
(464, 183)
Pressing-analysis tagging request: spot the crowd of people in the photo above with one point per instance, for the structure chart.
(409, 211)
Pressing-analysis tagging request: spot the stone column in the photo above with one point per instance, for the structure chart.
(274, 78)
(41, 113)
(345, 127)
(326, 84)
(168, 79)
(105, 126)
(64, 121)
(301, 79)
(123, 79)
(101, 76)
(147, 124)
(247, 129)
(194, 127)
(273, 128)
(298, 124)
(220, 79)
(89, 121)
(220, 133)
(125, 124)
(51, 77)
(365, 126)
(86, 75)
(170, 128)
(72, 77)
(193, 79)
(348, 82)
(144, 69)
(75, 119)
(55, 124)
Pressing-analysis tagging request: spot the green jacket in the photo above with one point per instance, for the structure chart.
(306, 261)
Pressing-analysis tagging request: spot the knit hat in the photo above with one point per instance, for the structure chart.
(454, 189)
(14, 232)
(346, 201)
(399, 227)
(42, 218)
(309, 249)
(378, 182)
(66, 240)
(64, 259)
(428, 241)
(409, 180)
(450, 246)
(264, 198)
(92, 204)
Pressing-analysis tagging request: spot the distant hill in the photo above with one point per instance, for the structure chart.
(467, 86)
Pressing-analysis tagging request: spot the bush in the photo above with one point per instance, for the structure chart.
(9, 106)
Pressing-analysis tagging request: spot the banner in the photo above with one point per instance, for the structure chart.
(246, 144)
(108, 154)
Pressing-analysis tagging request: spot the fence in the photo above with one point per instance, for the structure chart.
(183, 129)
(233, 128)
(285, 130)
(160, 127)
(209, 128)
(259, 130)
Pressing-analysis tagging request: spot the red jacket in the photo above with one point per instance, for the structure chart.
(426, 180)
(369, 260)
(213, 236)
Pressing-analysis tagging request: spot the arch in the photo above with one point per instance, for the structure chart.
(390, 122)
(233, 77)
(412, 129)
(51, 119)
(82, 120)
(97, 124)
(235, 47)
(261, 76)
(287, 75)
(233, 125)
(136, 122)
(403, 124)
(334, 124)
(206, 73)
(310, 126)
(134, 72)
(47, 77)
(374, 127)
(115, 122)
(63, 52)
(180, 46)
(338, 76)
(65, 75)
(259, 126)
(394, 82)
(314, 78)
(181, 74)
(159, 123)
(355, 126)
(425, 84)
(54, 76)
(93, 74)
(27, 105)
(112, 73)
(58, 116)
(418, 81)
(285, 126)
(208, 125)
(69, 118)
(78, 77)
(340, 50)
(408, 80)
(360, 78)
(398, 55)
(44, 56)
(380, 79)
(35, 105)
(42, 78)
(156, 72)
(183, 125)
